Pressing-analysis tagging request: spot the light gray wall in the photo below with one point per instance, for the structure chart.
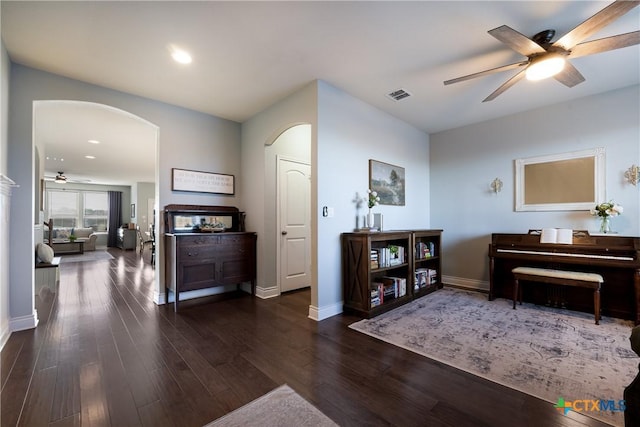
(350, 132)
(258, 177)
(143, 192)
(187, 139)
(465, 160)
(4, 232)
(4, 98)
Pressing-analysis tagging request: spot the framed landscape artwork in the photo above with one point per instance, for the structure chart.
(388, 181)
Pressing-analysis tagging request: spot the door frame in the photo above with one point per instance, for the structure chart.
(278, 227)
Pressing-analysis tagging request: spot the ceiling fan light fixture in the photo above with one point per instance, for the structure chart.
(179, 55)
(545, 66)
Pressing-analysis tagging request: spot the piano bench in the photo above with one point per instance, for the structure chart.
(558, 277)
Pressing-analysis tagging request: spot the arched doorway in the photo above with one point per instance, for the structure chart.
(96, 145)
(288, 162)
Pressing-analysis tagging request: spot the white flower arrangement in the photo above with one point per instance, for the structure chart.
(372, 199)
(607, 209)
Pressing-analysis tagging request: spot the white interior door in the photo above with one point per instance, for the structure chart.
(294, 188)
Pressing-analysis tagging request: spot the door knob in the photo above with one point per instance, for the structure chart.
(284, 233)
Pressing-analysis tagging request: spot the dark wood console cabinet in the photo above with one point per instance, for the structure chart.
(199, 260)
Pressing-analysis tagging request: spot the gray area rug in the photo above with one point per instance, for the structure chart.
(87, 256)
(545, 352)
(280, 407)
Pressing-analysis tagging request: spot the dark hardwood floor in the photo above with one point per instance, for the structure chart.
(104, 354)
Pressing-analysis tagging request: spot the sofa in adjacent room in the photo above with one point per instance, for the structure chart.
(87, 235)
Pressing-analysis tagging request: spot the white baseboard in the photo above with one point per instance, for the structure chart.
(24, 322)
(4, 336)
(264, 293)
(461, 282)
(159, 298)
(321, 313)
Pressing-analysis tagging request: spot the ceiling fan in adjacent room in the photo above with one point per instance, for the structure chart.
(549, 59)
(61, 178)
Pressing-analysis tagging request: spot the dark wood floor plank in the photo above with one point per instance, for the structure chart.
(154, 415)
(122, 405)
(176, 403)
(104, 354)
(95, 408)
(71, 421)
(9, 356)
(39, 398)
(66, 400)
(14, 394)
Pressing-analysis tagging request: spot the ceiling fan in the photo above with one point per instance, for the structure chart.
(549, 59)
(61, 178)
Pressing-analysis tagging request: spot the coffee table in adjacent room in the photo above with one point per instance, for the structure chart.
(66, 246)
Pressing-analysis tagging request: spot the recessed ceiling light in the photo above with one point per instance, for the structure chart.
(90, 157)
(180, 55)
(94, 141)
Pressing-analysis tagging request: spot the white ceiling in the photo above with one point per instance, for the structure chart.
(124, 155)
(248, 55)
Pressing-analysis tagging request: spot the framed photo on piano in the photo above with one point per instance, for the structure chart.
(561, 182)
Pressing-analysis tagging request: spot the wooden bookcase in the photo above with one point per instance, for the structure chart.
(426, 259)
(379, 269)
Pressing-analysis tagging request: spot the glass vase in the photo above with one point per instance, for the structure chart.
(605, 225)
(370, 219)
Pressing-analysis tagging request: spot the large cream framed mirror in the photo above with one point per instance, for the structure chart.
(561, 182)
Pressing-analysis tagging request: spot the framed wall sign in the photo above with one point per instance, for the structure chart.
(388, 181)
(202, 182)
(561, 182)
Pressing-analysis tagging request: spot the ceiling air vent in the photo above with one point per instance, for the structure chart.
(399, 94)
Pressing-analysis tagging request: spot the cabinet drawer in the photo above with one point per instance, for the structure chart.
(195, 252)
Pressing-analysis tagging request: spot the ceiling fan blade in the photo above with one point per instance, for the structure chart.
(606, 44)
(597, 22)
(513, 80)
(516, 41)
(569, 76)
(487, 72)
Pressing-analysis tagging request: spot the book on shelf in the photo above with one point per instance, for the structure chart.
(421, 277)
(390, 256)
(425, 250)
(425, 277)
(375, 263)
(432, 276)
(557, 235)
(396, 255)
(377, 294)
(394, 287)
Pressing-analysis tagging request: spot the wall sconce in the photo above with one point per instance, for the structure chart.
(632, 175)
(496, 185)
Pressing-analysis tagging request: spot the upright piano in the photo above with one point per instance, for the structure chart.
(616, 258)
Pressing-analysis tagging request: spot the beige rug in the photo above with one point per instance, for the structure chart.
(97, 255)
(280, 407)
(545, 352)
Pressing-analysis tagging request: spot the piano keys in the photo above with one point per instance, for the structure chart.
(616, 258)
